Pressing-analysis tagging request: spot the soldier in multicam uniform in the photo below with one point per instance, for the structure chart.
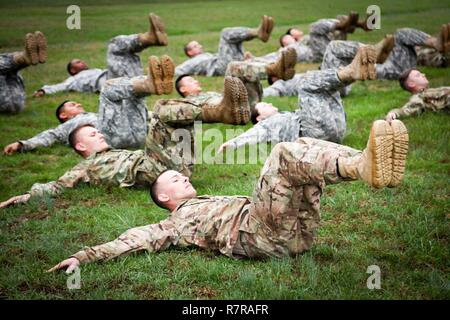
(310, 48)
(423, 99)
(123, 168)
(122, 61)
(12, 89)
(402, 57)
(321, 113)
(281, 219)
(230, 48)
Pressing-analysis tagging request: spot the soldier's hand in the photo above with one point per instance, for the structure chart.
(12, 148)
(39, 93)
(15, 200)
(223, 147)
(391, 116)
(70, 264)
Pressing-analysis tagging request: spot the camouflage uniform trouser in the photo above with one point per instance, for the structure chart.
(285, 211)
(430, 57)
(321, 33)
(403, 55)
(12, 89)
(121, 57)
(320, 106)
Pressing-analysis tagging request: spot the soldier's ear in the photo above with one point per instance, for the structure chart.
(80, 147)
(163, 198)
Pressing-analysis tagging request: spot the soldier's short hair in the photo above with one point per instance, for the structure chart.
(289, 31)
(404, 78)
(73, 137)
(253, 115)
(69, 68)
(186, 48)
(178, 85)
(153, 193)
(59, 109)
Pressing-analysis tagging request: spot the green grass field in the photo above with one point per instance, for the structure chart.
(405, 231)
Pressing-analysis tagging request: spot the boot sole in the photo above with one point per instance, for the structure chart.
(31, 48)
(399, 152)
(445, 38)
(244, 108)
(264, 28)
(386, 48)
(231, 94)
(159, 29)
(366, 59)
(42, 46)
(289, 61)
(168, 69)
(381, 145)
(156, 72)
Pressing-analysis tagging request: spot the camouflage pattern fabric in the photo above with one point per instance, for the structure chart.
(12, 89)
(434, 99)
(320, 105)
(122, 61)
(430, 57)
(230, 48)
(403, 55)
(280, 221)
(59, 134)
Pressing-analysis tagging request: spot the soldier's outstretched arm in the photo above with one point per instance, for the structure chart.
(15, 200)
(153, 238)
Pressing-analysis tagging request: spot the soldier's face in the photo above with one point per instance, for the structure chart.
(287, 40)
(195, 48)
(296, 34)
(71, 109)
(417, 81)
(265, 110)
(89, 140)
(77, 66)
(189, 85)
(174, 186)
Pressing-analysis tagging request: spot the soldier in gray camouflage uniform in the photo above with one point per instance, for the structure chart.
(122, 60)
(230, 48)
(402, 57)
(423, 98)
(321, 113)
(310, 48)
(282, 217)
(12, 89)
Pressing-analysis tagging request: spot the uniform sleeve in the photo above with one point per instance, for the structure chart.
(70, 179)
(153, 238)
(413, 107)
(63, 86)
(46, 138)
(255, 135)
(281, 88)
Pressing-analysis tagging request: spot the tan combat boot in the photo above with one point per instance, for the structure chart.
(362, 66)
(384, 48)
(42, 46)
(363, 24)
(284, 68)
(374, 164)
(265, 28)
(153, 84)
(348, 23)
(168, 69)
(234, 107)
(399, 152)
(31, 53)
(443, 40)
(156, 35)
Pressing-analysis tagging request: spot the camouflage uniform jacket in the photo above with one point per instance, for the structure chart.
(282, 126)
(433, 99)
(121, 168)
(209, 222)
(90, 80)
(60, 133)
(201, 64)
